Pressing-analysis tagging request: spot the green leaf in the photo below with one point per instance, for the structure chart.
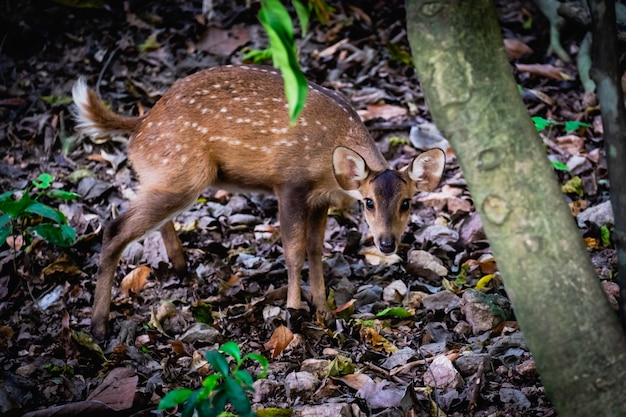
(277, 23)
(63, 235)
(303, 12)
(4, 220)
(262, 360)
(5, 232)
(218, 362)
(63, 195)
(231, 348)
(43, 181)
(399, 54)
(398, 312)
(202, 312)
(174, 398)
(461, 279)
(573, 186)
(237, 396)
(258, 56)
(150, 44)
(575, 125)
(244, 379)
(605, 235)
(217, 403)
(541, 123)
(7, 196)
(46, 212)
(559, 166)
(210, 382)
(16, 209)
(192, 403)
(56, 100)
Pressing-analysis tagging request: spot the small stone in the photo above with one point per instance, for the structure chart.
(424, 264)
(265, 389)
(395, 292)
(301, 384)
(317, 367)
(328, 409)
(484, 311)
(442, 374)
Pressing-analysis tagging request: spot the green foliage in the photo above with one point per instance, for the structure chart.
(257, 56)
(28, 215)
(574, 125)
(277, 23)
(559, 166)
(571, 126)
(399, 54)
(605, 235)
(226, 385)
(397, 312)
(398, 141)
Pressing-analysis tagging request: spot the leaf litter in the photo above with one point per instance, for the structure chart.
(413, 336)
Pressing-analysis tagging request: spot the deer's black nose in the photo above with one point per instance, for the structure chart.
(387, 244)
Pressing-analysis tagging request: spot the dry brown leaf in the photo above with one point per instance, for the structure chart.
(178, 347)
(376, 340)
(330, 51)
(166, 309)
(516, 49)
(543, 70)
(540, 95)
(117, 390)
(382, 111)
(578, 206)
(224, 42)
(199, 364)
(6, 334)
(135, 280)
(62, 265)
(280, 339)
(355, 381)
(571, 144)
(447, 196)
(346, 306)
(487, 264)
(592, 243)
(15, 242)
(375, 257)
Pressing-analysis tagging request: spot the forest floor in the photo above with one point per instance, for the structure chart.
(375, 363)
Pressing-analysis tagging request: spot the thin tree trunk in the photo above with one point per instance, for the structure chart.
(574, 336)
(604, 73)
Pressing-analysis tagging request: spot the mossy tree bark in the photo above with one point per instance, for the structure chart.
(604, 73)
(574, 336)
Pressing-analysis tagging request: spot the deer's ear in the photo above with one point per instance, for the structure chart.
(349, 167)
(427, 168)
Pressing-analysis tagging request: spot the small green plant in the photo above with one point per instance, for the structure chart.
(570, 126)
(28, 215)
(226, 385)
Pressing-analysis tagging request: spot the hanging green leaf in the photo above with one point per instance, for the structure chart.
(277, 23)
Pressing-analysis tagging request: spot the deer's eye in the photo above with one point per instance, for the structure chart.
(369, 203)
(405, 205)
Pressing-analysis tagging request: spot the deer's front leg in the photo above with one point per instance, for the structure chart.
(292, 213)
(315, 227)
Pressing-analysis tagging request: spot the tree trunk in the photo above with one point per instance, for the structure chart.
(604, 73)
(573, 334)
